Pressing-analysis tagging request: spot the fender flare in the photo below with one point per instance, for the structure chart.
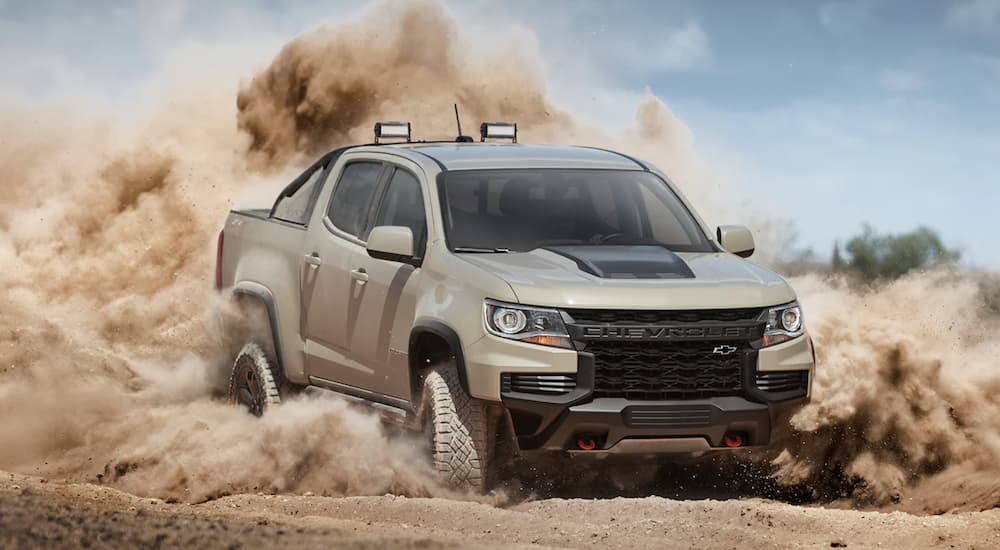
(446, 333)
(262, 293)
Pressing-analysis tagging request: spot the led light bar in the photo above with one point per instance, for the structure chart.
(392, 130)
(498, 130)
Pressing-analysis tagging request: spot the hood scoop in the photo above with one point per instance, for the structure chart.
(626, 262)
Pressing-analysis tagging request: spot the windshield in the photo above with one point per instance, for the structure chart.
(521, 210)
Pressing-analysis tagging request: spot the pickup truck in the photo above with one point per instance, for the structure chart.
(544, 299)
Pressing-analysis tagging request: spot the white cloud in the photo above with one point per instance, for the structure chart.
(672, 49)
(989, 62)
(977, 16)
(844, 17)
(897, 80)
(681, 48)
(167, 13)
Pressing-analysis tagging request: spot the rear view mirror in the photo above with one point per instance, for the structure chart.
(736, 239)
(391, 242)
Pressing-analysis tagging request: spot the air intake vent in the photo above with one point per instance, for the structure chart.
(783, 381)
(672, 417)
(545, 384)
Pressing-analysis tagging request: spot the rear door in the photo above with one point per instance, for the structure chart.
(388, 297)
(332, 285)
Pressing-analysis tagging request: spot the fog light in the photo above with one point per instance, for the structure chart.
(392, 130)
(498, 130)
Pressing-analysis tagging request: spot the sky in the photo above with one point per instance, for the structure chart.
(831, 113)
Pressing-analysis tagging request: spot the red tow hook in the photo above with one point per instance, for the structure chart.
(588, 444)
(733, 441)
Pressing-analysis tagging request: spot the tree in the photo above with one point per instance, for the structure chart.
(874, 255)
(838, 261)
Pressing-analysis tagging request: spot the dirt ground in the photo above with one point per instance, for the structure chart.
(37, 513)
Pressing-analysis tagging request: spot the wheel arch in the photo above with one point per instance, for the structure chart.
(260, 294)
(426, 339)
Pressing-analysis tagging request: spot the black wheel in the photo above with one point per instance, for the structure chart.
(459, 430)
(254, 381)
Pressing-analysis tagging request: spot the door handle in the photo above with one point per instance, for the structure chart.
(313, 260)
(360, 275)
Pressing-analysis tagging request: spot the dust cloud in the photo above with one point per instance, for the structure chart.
(906, 409)
(111, 365)
(400, 62)
(110, 359)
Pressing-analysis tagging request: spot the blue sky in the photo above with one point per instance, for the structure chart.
(830, 113)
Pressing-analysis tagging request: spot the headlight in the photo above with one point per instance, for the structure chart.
(783, 324)
(509, 321)
(527, 324)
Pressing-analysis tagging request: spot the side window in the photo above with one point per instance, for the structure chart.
(353, 195)
(297, 207)
(404, 205)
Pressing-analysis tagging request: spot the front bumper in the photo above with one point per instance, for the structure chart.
(634, 427)
(618, 426)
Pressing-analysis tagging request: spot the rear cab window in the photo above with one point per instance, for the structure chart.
(295, 205)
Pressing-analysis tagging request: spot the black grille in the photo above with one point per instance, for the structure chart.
(666, 370)
(783, 381)
(643, 317)
(545, 384)
(674, 417)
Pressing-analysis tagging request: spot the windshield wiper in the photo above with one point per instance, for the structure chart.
(480, 250)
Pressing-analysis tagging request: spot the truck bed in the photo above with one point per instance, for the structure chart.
(263, 257)
(261, 213)
(272, 247)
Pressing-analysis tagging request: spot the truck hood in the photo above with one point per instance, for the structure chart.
(600, 277)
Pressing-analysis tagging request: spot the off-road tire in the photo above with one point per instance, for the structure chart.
(458, 427)
(254, 381)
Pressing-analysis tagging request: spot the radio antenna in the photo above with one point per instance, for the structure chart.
(461, 138)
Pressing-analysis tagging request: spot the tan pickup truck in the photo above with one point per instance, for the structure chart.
(548, 299)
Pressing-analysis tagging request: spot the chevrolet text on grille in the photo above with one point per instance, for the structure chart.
(665, 333)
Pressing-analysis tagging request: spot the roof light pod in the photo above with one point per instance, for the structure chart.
(498, 130)
(392, 130)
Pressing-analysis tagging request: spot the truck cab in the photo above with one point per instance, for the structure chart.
(549, 299)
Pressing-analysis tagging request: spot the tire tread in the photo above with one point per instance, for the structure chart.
(265, 370)
(461, 442)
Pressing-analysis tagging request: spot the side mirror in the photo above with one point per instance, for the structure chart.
(391, 242)
(736, 239)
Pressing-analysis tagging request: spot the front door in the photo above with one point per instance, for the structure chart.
(388, 298)
(331, 286)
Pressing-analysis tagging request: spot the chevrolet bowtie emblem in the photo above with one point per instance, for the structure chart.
(724, 350)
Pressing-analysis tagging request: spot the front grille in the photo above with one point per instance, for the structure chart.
(544, 384)
(644, 317)
(783, 381)
(666, 370)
